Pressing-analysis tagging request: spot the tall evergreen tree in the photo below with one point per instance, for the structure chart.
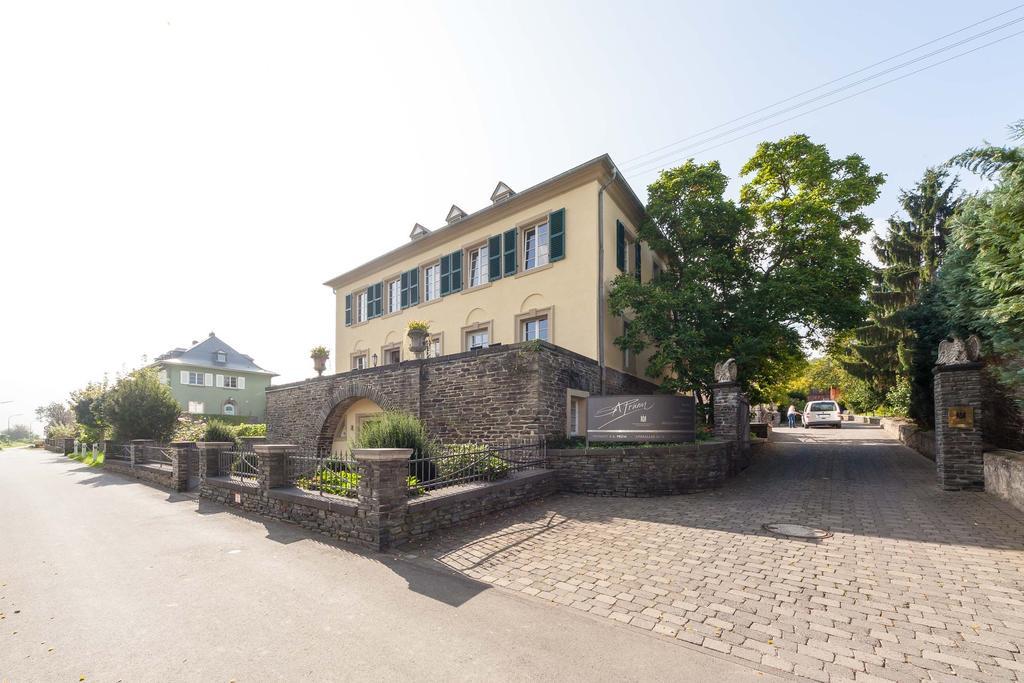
(909, 254)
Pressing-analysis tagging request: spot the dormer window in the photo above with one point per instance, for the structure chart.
(222, 357)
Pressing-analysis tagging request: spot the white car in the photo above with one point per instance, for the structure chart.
(822, 414)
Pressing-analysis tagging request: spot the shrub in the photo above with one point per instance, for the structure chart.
(219, 431)
(251, 429)
(419, 325)
(399, 430)
(140, 406)
(319, 352)
(189, 429)
(470, 460)
(59, 431)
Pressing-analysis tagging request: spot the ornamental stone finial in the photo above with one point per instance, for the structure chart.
(726, 371)
(957, 351)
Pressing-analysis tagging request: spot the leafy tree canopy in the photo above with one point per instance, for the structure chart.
(139, 406)
(753, 279)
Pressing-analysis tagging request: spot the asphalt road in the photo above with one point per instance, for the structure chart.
(107, 579)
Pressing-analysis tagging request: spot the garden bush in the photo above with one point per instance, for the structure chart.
(251, 429)
(395, 429)
(140, 406)
(470, 460)
(218, 431)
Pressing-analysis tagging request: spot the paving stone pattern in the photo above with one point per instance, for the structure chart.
(915, 584)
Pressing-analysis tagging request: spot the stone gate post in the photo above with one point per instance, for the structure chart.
(383, 492)
(959, 458)
(732, 420)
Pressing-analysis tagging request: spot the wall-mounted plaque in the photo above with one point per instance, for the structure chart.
(656, 417)
(961, 417)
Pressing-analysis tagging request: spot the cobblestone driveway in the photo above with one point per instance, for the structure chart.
(915, 584)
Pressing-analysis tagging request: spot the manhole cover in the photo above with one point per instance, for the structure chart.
(796, 530)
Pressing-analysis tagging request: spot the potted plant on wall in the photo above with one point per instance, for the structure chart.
(418, 331)
(319, 354)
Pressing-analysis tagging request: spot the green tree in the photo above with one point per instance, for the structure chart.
(87, 405)
(54, 415)
(18, 433)
(139, 406)
(741, 277)
(909, 254)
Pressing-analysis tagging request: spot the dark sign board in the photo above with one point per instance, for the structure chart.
(655, 417)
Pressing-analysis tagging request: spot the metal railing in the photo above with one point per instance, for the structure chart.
(159, 456)
(454, 464)
(239, 463)
(322, 473)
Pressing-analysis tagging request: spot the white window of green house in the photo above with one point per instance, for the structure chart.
(477, 339)
(196, 407)
(195, 379)
(361, 307)
(229, 408)
(535, 246)
(535, 328)
(478, 266)
(395, 296)
(230, 382)
(432, 282)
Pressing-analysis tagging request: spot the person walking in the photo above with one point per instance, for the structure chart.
(791, 414)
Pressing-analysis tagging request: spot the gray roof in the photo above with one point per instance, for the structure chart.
(204, 355)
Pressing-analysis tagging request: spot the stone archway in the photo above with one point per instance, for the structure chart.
(338, 404)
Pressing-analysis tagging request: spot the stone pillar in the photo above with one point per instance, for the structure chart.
(272, 462)
(180, 469)
(383, 492)
(732, 414)
(209, 457)
(69, 445)
(138, 457)
(959, 459)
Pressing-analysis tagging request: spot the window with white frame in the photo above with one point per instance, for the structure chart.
(478, 266)
(195, 378)
(359, 362)
(392, 356)
(432, 282)
(196, 407)
(535, 246)
(361, 309)
(395, 296)
(230, 382)
(534, 328)
(222, 357)
(229, 408)
(478, 339)
(434, 346)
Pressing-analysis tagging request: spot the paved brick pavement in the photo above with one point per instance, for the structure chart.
(915, 583)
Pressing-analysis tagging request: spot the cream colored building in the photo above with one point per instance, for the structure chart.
(531, 264)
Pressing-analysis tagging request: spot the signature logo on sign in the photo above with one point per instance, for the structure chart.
(623, 409)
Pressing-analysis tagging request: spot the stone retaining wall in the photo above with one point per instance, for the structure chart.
(1004, 476)
(644, 472)
(501, 392)
(909, 434)
(150, 474)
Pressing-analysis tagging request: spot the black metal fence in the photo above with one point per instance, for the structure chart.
(239, 463)
(322, 473)
(454, 464)
(159, 456)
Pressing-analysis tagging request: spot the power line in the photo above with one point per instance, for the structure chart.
(642, 170)
(630, 161)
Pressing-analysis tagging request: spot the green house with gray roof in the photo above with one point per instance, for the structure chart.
(211, 378)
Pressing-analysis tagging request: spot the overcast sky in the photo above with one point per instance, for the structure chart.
(168, 169)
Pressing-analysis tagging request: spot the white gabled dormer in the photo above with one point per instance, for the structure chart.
(501, 192)
(455, 214)
(418, 231)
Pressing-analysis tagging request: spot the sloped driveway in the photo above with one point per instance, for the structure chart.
(914, 583)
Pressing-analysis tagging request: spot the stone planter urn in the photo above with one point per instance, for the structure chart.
(417, 341)
(319, 356)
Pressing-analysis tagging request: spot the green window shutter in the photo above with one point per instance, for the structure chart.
(446, 275)
(556, 223)
(509, 252)
(620, 246)
(375, 306)
(414, 286)
(348, 309)
(494, 258)
(369, 302)
(637, 258)
(403, 289)
(456, 271)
